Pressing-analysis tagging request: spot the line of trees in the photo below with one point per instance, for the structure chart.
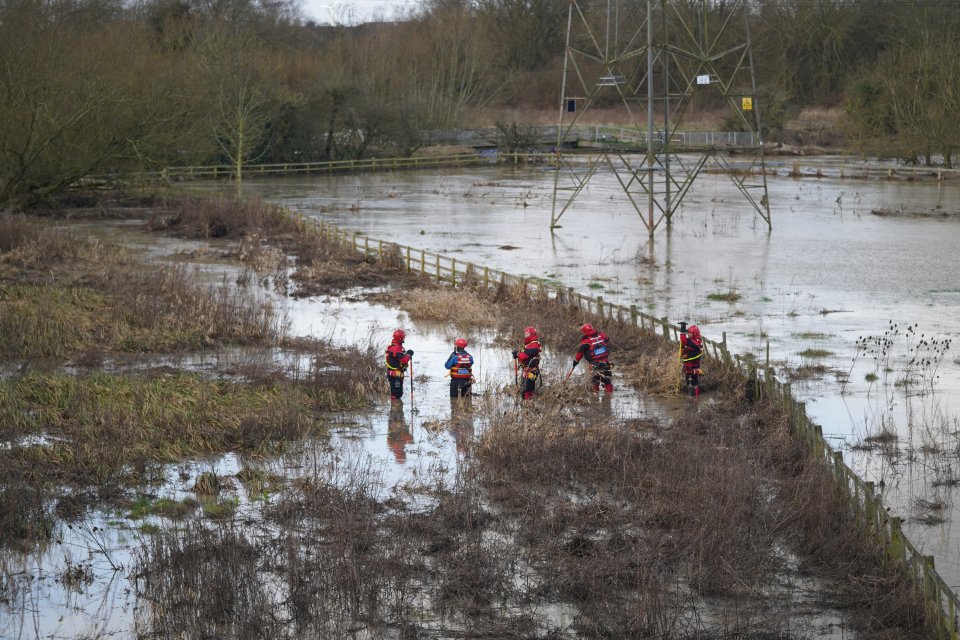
(94, 86)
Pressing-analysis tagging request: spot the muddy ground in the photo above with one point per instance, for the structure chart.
(567, 517)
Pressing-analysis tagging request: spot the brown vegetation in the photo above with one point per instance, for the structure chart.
(640, 529)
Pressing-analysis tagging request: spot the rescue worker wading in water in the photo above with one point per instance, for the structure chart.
(397, 361)
(460, 364)
(691, 354)
(529, 362)
(594, 348)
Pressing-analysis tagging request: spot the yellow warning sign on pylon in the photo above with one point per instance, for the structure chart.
(747, 104)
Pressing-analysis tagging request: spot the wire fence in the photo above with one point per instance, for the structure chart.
(942, 604)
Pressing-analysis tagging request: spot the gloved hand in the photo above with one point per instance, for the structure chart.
(514, 354)
(683, 327)
(575, 363)
(410, 352)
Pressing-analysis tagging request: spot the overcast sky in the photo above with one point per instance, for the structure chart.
(355, 11)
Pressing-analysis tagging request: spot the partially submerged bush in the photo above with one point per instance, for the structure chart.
(201, 217)
(26, 514)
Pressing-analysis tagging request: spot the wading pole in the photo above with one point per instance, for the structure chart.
(411, 391)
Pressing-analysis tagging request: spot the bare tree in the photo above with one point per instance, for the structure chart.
(245, 93)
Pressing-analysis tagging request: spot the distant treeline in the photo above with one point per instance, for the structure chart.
(94, 86)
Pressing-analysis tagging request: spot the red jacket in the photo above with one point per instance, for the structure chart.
(594, 348)
(530, 356)
(396, 360)
(691, 350)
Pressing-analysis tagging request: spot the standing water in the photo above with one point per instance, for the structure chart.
(856, 309)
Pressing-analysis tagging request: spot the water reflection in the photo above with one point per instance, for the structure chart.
(462, 423)
(398, 432)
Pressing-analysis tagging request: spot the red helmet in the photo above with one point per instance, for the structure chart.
(529, 333)
(399, 335)
(460, 343)
(587, 329)
(693, 331)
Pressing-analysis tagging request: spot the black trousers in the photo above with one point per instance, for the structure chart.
(396, 386)
(459, 387)
(602, 373)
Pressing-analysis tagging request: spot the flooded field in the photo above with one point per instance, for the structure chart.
(441, 519)
(831, 273)
(83, 585)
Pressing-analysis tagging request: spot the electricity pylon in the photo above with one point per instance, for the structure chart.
(655, 63)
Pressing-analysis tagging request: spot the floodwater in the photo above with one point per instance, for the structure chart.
(828, 274)
(424, 437)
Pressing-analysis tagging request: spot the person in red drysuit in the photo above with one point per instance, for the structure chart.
(528, 361)
(691, 354)
(595, 348)
(397, 361)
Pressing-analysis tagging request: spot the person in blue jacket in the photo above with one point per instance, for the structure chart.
(460, 365)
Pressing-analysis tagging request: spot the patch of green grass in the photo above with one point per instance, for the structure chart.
(104, 425)
(594, 285)
(871, 377)
(815, 353)
(149, 529)
(220, 509)
(167, 507)
(41, 321)
(724, 296)
(811, 335)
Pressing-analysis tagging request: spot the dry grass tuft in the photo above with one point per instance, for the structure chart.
(28, 243)
(463, 307)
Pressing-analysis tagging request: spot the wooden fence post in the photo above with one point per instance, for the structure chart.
(896, 548)
(453, 271)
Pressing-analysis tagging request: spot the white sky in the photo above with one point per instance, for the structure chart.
(355, 11)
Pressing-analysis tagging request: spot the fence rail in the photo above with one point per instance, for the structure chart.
(942, 604)
(204, 172)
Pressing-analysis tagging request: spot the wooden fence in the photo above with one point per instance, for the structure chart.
(942, 604)
(207, 172)
(335, 166)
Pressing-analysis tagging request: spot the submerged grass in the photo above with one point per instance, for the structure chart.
(636, 528)
(93, 300)
(101, 428)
